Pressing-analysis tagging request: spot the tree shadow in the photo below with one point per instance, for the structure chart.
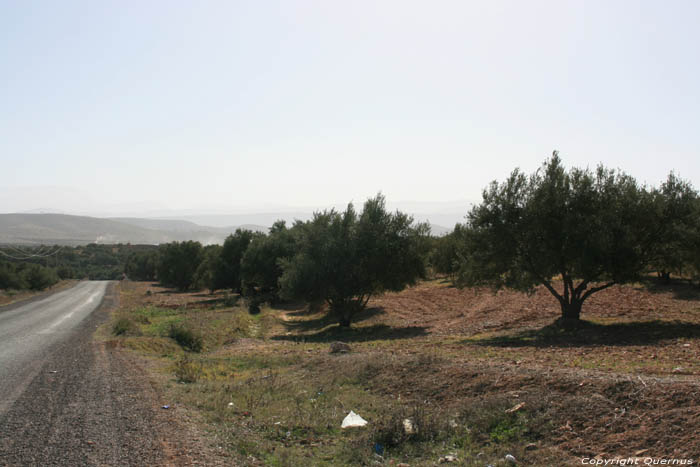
(357, 334)
(225, 301)
(680, 288)
(326, 319)
(172, 291)
(295, 308)
(589, 334)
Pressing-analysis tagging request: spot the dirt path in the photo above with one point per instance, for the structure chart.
(91, 405)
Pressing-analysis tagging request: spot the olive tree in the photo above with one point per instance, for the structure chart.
(261, 263)
(591, 229)
(227, 269)
(178, 263)
(344, 258)
(677, 233)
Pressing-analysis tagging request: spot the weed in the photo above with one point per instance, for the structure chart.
(186, 337)
(416, 424)
(186, 370)
(124, 326)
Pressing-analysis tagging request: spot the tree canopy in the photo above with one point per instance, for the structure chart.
(591, 229)
(346, 258)
(178, 263)
(261, 263)
(227, 269)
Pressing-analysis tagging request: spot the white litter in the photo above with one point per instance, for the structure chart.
(353, 420)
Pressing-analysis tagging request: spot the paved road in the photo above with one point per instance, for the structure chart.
(28, 332)
(67, 399)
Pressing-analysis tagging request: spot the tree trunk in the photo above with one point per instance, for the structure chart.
(344, 321)
(571, 313)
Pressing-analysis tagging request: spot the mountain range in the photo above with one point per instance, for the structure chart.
(65, 229)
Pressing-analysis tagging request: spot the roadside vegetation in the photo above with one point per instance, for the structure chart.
(457, 363)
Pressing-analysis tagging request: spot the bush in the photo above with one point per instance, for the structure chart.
(187, 371)
(39, 277)
(124, 326)
(186, 337)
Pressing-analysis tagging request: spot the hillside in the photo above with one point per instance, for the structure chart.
(65, 229)
(72, 230)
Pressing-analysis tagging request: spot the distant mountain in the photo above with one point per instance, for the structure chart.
(263, 221)
(63, 229)
(257, 220)
(173, 225)
(438, 230)
(72, 230)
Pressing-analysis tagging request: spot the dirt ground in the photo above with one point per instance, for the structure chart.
(625, 384)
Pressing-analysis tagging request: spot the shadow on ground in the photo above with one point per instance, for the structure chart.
(356, 334)
(592, 334)
(327, 319)
(680, 288)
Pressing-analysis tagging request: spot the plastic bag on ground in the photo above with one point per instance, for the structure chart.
(353, 420)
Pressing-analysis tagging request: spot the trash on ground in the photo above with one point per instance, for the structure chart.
(447, 459)
(408, 427)
(353, 420)
(516, 407)
(511, 459)
(378, 448)
(166, 407)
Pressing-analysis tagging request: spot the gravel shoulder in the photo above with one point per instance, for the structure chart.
(91, 404)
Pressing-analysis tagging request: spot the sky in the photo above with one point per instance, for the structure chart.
(144, 106)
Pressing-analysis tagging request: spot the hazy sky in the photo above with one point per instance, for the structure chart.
(205, 104)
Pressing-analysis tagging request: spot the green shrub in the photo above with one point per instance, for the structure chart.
(186, 337)
(124, 326)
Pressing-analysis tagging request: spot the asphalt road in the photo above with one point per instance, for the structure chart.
(28, 331)
(67, 399)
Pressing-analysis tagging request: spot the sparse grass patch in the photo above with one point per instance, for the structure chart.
(187, 370)
(156, 346)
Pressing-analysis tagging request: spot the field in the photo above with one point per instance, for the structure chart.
(477, 375)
